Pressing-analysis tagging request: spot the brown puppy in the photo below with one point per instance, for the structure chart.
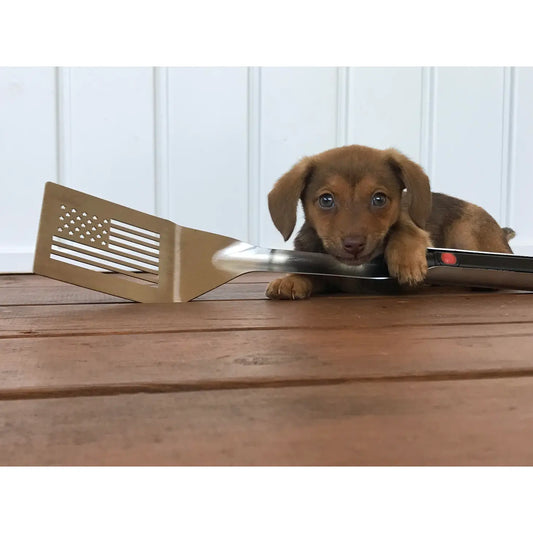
(356, 209)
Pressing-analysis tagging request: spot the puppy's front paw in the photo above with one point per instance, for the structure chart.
(409, 267)
(292, 287)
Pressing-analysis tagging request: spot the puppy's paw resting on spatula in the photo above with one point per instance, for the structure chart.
(293, 287)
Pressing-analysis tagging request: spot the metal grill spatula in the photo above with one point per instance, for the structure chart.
(105, 246)
(110, 248)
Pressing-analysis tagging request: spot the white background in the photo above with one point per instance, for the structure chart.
(203, 146)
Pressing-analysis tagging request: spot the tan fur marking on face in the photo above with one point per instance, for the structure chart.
(368, 186)
(353, 215)
(339, 187)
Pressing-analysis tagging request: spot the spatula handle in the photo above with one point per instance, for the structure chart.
(448, 267)
(479, 269)
(243, 258)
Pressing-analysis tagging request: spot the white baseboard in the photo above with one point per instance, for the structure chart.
(16, 260)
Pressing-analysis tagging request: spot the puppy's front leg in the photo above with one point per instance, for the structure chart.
(295, 287)
(405, 252)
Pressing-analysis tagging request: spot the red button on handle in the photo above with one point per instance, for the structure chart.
(448, 258)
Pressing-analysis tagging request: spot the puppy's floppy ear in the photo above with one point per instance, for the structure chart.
(416, 182)
(284, 196)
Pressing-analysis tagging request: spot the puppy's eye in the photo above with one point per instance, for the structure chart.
(326, 201)
(379, 199)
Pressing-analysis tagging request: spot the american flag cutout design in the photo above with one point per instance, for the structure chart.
(105, 244)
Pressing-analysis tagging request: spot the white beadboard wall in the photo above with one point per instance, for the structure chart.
(203, 146)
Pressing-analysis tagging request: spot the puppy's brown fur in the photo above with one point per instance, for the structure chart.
(372, 214)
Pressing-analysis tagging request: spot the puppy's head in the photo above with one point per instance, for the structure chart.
(352, 197)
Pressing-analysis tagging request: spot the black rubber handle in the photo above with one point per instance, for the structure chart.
(484, 260)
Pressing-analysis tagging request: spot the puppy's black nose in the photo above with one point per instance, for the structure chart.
(353, 245)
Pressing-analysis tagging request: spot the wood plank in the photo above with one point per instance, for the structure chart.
(70, 294)
(236, 291)
(38, 290)
(478, 422)
(249, 290)
(70, 366)
(50, 295)
(319, 313)
(256, 277)
(34, 280)
(24, 281)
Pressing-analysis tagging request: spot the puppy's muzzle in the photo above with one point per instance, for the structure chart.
(354, 245)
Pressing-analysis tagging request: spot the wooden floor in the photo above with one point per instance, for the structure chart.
(442, 377)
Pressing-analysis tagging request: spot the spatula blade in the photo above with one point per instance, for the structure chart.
(104, 246)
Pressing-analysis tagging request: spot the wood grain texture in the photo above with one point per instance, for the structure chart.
(479, 422)
(33, 280)
(25, 289)
(324, 313)
(114, 364)
(438, 377)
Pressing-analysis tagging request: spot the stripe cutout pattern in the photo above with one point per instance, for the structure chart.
(106, 245)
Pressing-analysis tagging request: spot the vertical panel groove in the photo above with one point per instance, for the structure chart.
(161, 139)
(349, 87)
(342, 106)
(63, 125)
(254, 154)
(427, 122)
(508, 121)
